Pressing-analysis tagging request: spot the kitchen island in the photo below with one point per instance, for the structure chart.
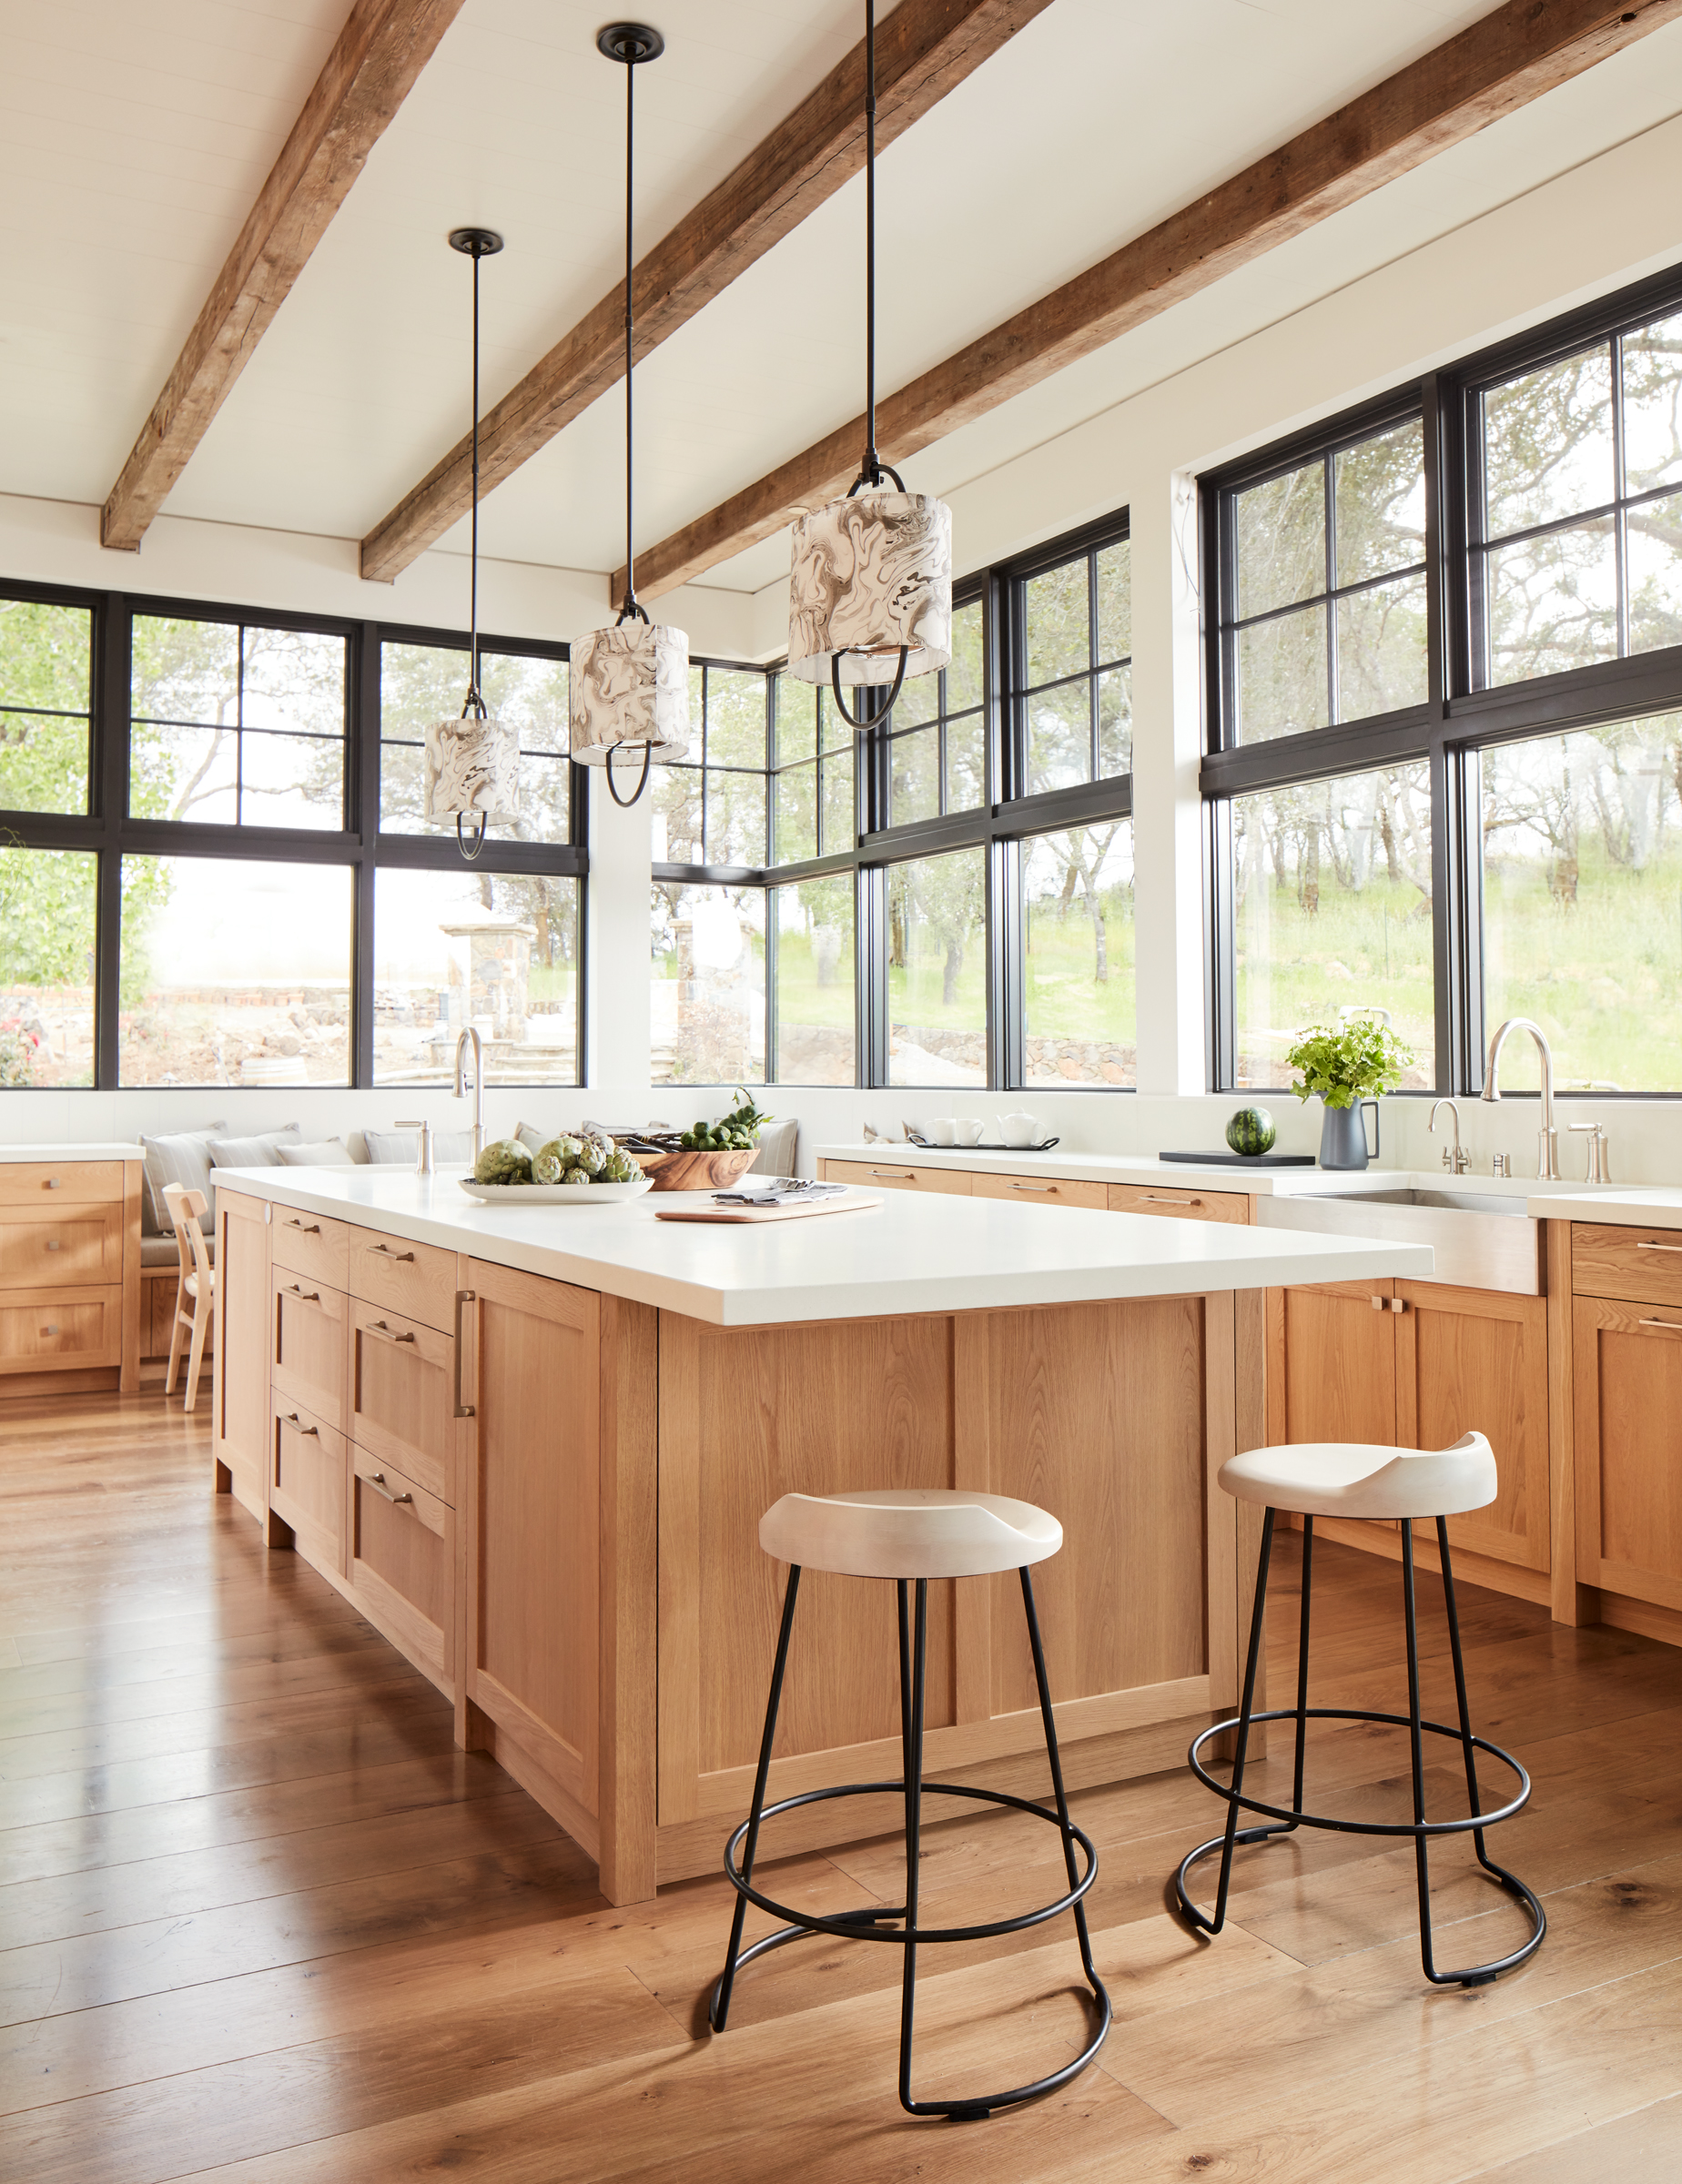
(533, 1445)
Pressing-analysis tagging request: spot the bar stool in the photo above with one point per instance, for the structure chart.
(1354, 1479)
(908, 1535)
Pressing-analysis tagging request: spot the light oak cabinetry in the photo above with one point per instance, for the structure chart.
(399, 1378)
(244, 1420)
(1039, 1191)
(402, 1562)
(888, 1174)
(1626, 1371)
(306, 1484)
(69, 1275)
(1418, 1364)
(307, 1361)
(1176, 1205)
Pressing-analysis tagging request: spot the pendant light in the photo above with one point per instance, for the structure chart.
(473, 763)
(870, 577)
(630, 682)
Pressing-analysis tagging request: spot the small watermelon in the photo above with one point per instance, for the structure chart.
(1251, 1131)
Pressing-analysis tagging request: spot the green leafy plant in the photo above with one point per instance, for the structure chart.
(1346, 1062)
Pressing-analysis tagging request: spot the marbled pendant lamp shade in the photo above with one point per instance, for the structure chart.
(630, 682)
(870, 579)
(473, 763)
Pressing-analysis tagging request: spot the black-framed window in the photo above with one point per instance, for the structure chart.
(195, 888)
(711, 807)
(424, 682)
(1481, 820)
(983, 895)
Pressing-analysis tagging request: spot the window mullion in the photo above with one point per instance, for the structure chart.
(113, 653)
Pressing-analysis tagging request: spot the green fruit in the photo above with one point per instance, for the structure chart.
(506, 1161)
(578, 1176)
(550, 1165)
(590, 1156)
(1251, 1131)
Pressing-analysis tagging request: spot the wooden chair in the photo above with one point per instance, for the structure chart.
(195, 1281)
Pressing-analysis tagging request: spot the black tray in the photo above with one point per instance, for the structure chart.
(1242, 1159)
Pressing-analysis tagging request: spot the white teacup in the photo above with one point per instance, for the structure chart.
(941, 1133)
(1019, 1129)
(970, 1133)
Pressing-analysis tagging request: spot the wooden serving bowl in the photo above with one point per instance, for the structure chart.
(698, 1171)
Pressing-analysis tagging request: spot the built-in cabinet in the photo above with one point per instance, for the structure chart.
(1627, 1373)
(69, 1275)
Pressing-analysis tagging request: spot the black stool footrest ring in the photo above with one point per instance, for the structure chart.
(867, 1925)
(1285, 1821)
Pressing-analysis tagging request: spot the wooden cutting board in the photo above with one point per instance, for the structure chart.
(800, 1211)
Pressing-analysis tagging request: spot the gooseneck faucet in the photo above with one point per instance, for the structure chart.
(471, 1037)
(1458, 1159)
(1547, 1159)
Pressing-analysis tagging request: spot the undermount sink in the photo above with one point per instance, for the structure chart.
(1446, 1201)
(1482, 1240)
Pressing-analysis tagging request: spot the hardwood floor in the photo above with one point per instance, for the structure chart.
(261, 1922)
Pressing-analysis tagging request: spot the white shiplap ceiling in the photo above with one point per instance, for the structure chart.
(134, 135)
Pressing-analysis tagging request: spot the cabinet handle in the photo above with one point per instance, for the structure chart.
(377, 1481)
(1379, 1303)
(292, 1419)
(290, 1288)
(894, 1175)
(53, 1183)
(1033, 1187)
(378, 1326)
(384, 1251)
(305, 1228)
(49, 1330)
(1658, 1247)
(1398, 1304)
(462, 1296)
(1161, 1198)
(52, 1244)
(1673, 1325)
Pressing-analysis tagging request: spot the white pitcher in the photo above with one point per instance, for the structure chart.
(1019, 1129)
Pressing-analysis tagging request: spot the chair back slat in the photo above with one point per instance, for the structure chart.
(185, 1208)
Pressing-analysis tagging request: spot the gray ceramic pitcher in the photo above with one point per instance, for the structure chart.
(1342, 1136)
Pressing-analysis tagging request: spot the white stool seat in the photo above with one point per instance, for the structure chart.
(1366, 1479)
(909, 1532)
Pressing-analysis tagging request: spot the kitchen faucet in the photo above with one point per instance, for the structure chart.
(471, 1036)
(1457, 1159)
(1547, 1158)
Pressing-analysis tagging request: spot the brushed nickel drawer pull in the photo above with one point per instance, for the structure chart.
(305, 1228)
(302, 1295)
(894, 1175)
(462, 1296)
(53, 1183)
(1658, 1247)
(1673, 1325)
(384, 1251)
(1033, 1187)
(49, 1330)
(378, 1326)
(52, 1244)
(292, 1419)
(1155, 1198)
(377, 1481)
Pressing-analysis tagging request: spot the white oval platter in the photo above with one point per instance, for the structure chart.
(554, 1194)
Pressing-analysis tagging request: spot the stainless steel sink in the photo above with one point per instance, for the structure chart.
(1481, 1240)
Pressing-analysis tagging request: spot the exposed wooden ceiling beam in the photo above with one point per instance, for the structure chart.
(1491, 68)
(372, 67)
(924, 48)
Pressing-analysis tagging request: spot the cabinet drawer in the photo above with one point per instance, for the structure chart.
(1179, 1205)
(52, 1247)
(306, 1484)
(31, 1182)
(417, 1280)
(308, 1243)
(44, 1328)
(1039, 1191)
(306, 1357)
(402, 1395)
(403, 1560)
(1643, 1265)
(899, 1175)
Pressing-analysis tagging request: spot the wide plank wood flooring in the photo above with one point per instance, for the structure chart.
(260, 1923)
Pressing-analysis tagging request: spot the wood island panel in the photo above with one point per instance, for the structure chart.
(1627, 1375)
(242, 1382)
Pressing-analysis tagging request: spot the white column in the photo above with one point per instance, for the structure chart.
(1168, 741)
(617, 943)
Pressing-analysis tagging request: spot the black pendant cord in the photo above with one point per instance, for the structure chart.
(475, 703)
(631, 611)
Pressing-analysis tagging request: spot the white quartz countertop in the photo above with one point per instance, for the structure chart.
(906, 1254)
(1626, 1204)
(1259, 1182)
(116, 1150)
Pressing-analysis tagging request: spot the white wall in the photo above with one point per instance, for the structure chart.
(1608, 222)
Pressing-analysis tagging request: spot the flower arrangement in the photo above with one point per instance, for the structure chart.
(1348, 1062)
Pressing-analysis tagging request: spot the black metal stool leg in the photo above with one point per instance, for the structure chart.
(1302, 1743)
(719, 2008)
(1055, 1760)
(1422, 1861)
(913, 1726)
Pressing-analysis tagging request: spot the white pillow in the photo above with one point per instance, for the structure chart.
(262, 1151)
(405, 1144)
(183, 1156)
(331, 1152)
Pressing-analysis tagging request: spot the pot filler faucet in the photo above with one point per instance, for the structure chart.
(470, 1037)
(1547, 1158)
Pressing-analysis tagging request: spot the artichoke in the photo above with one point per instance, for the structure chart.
(620, 1167)
(506, 1161)
(550, 1163)
(591, 1155)
(578, 1175)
